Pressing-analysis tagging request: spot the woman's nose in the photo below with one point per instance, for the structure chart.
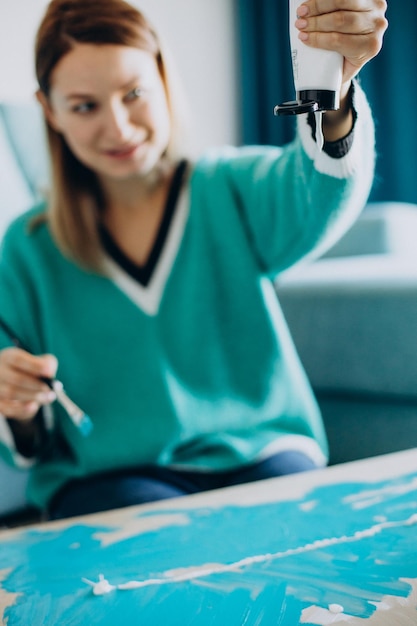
(117, 121)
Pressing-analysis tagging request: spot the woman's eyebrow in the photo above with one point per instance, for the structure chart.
(78, 96)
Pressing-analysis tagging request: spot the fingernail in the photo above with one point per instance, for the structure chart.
(301, 23)
(46, 397)
(303, 36)
(50, 366)
(302, 11)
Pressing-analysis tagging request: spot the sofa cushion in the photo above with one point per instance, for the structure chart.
(382, 228)
(353, 321)
(359, 427)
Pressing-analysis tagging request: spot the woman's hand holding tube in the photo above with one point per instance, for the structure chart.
(355, 29)
(22, 392)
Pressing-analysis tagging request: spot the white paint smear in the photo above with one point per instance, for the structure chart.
(371, 497)
(392, 611)
(192, 573)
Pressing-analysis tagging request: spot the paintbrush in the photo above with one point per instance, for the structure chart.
(81, 420)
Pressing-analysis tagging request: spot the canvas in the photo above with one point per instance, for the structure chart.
(333, 546)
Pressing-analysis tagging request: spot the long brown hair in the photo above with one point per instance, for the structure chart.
(75, 196)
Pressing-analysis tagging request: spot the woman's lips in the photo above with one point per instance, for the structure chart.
(125, 152)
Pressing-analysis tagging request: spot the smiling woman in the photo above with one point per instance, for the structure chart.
(114, 105)
(147, 278)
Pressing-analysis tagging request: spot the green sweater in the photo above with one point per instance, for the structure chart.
(197, 369)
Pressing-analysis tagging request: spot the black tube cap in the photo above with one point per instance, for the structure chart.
(326, 99)
(309, 101)
(295, 107)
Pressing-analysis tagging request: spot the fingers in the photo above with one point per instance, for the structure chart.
(22, 391)
(346, 22)
(354, 28)
(26, 363)
(320, 7)
(351, 17)
(24, 411)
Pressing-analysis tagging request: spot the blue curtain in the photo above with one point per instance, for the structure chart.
(390, 81)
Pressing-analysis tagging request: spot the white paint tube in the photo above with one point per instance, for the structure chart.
(317, 77)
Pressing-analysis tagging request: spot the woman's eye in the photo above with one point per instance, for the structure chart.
(84, 107)
(138, 92)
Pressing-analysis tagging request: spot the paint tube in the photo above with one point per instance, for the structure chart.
(317, 77)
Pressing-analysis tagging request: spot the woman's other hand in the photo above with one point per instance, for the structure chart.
(22, 392)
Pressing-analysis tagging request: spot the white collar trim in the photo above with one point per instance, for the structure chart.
(149, 297)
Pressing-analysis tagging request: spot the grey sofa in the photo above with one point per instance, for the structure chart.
(353, 317)
(352, 313)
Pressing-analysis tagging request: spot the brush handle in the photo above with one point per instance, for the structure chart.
(15, 340)
(48, 381)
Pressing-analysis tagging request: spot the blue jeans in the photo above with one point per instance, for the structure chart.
(149, 483)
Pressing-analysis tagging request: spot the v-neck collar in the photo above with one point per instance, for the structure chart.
(147, 295)
(143, 273)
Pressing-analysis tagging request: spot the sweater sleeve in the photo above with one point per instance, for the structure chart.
(296, 201)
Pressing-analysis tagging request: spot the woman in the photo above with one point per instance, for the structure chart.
(145, 283)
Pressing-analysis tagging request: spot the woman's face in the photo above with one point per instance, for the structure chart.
(110, 105)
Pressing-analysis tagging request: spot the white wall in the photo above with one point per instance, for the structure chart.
(18, 21)
(200, 34)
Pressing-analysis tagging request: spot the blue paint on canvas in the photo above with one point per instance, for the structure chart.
(344, 544)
